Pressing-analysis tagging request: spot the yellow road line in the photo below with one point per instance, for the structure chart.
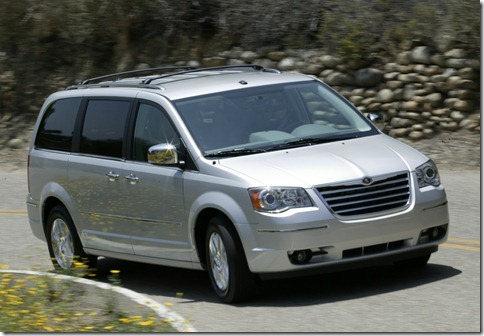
(13, 213)
(462, 240)
(462, 247)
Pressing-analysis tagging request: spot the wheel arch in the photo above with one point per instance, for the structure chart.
(50, 203)
(200, 230)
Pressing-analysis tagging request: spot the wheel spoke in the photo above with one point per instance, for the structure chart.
(62, 243)
(218, 261)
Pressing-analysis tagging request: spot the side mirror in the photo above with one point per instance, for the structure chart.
(163, 154)
(377, 120)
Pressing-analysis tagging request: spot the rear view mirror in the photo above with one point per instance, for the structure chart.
(377, 120)
(163, 154)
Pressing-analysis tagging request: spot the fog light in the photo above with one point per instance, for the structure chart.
(301, 257)
(435, 233)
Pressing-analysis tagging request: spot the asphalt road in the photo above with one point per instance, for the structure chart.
(445, 296)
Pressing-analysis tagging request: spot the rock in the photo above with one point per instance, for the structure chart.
(276, 55)
(420, 54)
(394, 84)
(403, 58)
(313, 69)
(15, 143)
(399, 132)
(435, 99)
(457, 63)
(214, 61)
(455, 53)
(368, 77)
(234, 61)
(248, 56)
(400, 122)
(356, 100)
(410, 105)
(329, 61)
(463, 105)
(468, 124)
(462, 94)
(457, 115)
(286, 64)
(438, 59)
(384, 96)
(338, 78)
(468, 73)
(415, 135)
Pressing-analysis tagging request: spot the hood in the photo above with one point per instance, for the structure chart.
(328, 163)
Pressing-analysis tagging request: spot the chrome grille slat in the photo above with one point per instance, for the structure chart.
(352, 200)
(360, 187)
(366, 200)
(363, 194)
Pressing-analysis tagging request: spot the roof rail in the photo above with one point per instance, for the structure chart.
(253, 67)
(118, 74)
(147, 81)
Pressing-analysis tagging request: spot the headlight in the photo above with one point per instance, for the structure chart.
(428, 175)
(278, 199)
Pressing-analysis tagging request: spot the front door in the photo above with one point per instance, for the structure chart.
(156, 211)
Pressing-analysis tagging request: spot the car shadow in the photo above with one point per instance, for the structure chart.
(292, 292)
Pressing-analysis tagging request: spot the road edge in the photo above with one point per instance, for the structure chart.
(175, 320)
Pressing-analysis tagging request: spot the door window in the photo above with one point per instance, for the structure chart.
(152, 128)
(104, 127)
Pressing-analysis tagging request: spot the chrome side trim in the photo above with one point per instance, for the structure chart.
(133, 219)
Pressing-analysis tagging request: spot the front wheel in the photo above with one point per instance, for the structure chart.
(65, 247)
(229, 273)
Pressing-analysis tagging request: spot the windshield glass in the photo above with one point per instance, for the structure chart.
(264, 118)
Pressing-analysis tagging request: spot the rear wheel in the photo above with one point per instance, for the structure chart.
(65, 247)
(229, 273)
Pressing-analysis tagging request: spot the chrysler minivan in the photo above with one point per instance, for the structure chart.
(246, 172)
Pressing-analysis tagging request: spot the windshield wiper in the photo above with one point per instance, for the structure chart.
(234, 152)
(309, 142)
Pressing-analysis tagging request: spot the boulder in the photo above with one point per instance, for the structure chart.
(368, 77)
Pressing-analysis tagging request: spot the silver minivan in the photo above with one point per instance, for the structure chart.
(242, 171)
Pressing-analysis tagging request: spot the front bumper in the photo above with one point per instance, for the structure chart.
(341, 244)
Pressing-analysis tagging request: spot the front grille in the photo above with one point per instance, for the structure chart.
(384, 195)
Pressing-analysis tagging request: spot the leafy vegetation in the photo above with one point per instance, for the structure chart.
(40, 303)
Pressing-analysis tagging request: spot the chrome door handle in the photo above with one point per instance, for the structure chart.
(112, 176)
(133, 179)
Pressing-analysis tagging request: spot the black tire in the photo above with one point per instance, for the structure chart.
(227, 266)
(65, 247)
(414, 262)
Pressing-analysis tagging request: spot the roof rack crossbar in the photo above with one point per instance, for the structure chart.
(225, 67)
(118, 74)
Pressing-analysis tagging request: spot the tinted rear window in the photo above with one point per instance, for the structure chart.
(57, 126)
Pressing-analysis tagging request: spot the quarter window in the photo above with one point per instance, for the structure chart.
(104, 127)
(57, 126)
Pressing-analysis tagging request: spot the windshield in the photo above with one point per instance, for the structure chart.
(254, 120)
